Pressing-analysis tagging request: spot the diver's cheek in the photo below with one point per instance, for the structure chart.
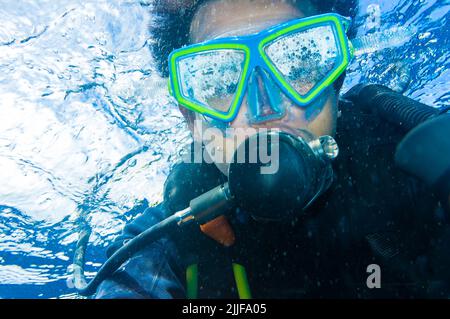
(242, 119)
(217, 142)
(319, 117)
(325, 122)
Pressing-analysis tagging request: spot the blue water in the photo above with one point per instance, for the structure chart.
(87, 130)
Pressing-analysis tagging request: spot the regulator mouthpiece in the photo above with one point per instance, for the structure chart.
(303, 173)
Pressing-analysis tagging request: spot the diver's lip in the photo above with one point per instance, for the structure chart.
(298, 132)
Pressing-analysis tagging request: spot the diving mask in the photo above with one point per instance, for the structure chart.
(297, 60)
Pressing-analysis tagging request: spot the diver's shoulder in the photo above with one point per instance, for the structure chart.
(358, 126)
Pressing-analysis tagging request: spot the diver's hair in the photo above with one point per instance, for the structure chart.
(172, 20)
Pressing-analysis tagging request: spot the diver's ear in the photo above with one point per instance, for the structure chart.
(189, 116)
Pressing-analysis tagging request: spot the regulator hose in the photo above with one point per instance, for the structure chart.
(119, 257)
(392, 106)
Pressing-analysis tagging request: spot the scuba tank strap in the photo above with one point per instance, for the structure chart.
(192, 281)
(240, 277)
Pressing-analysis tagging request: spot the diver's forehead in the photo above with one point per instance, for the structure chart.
(232, 18)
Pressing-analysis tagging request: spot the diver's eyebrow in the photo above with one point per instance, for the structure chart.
(250, 29)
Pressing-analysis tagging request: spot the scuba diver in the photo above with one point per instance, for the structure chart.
(360, 181)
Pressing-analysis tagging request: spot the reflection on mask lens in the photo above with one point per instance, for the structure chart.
(211, 78)
(304, 58)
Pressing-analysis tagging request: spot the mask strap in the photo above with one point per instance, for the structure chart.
(378, 41)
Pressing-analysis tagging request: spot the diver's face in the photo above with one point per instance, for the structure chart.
(224, 18)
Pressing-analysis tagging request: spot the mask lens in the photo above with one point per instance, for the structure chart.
(306, 57)
(211, 78)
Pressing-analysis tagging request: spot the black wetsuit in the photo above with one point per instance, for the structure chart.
(373, 214)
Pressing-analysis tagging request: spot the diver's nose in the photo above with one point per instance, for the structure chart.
(264, 98)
